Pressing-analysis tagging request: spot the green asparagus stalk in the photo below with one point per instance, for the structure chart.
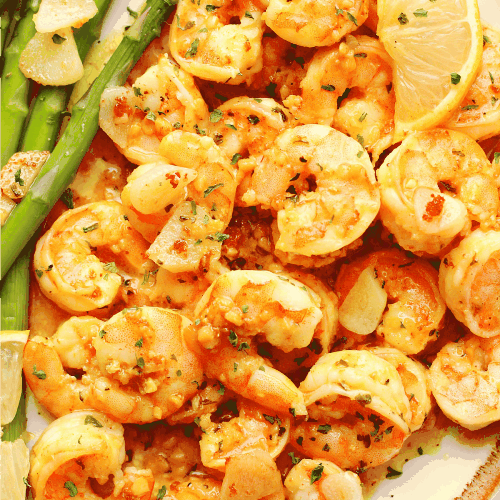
(15, 86)
(4, 26)
(59, 170)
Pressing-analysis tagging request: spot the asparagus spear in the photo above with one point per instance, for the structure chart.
(59, 170)
(15, 86)
(4, 26)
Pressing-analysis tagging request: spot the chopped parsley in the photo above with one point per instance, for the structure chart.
(90, 420)
(455, 78)
(67, 198)
(39, 373)
(191, 52)
(93, 227)
(216, 115)
(211, 188)
(17, 177)
(58, 40)
(70, 485)
(316, 473)
(403, 18)
(420, 13)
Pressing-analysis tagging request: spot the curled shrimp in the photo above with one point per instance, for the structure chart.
(311, 23)
(247, 126)
(415, 379)
(219, 41)
(151, 190)
(464, 379)
(358, 410)
(284, 67)
(194, 232)
(136, 118)
(415, 309)
(358, 74)
(322, 186)
(69, 257)
(83, 454)
(240, 305)
(226, 436)
(135, 367)
(479, 113)
(208, 400)
(324, 334)
(469, 279)
(321, 480)
(436, 186)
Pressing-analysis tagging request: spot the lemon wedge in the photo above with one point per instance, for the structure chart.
(479, 113)
(11, 346)
(436, 47)
(14, 468)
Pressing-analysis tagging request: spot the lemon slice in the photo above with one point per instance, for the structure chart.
(14, 468)
(437, 48)
(11, 346)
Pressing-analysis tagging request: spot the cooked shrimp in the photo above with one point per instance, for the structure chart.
(208, 400)
(464, 379)
(469, 281)
(322, 185)
(136, 366)
(359, 412)
(240, 305)
(200, 487)
(358, 74)
(321, 480)
(253, 476)
(150, 192)
(324, 334)
(68, 263)
(315, 23)
(415, 381)
(284, 67)
(219, 41)
(435, 186)
(253, 428)
(82, 454)
(180, 291)
(415, 309)
(136, 118)
(193, 235)
(479, 113)
(245, 126)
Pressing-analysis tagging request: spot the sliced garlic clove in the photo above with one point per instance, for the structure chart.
(364, 305)
(52, 59)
